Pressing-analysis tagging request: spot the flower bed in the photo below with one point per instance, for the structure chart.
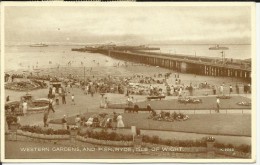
(224, 97)
(105, 142)
(244, 103)
(38, 132)
(22, 86)
(166, 116)
(189, 100)
(114, 139)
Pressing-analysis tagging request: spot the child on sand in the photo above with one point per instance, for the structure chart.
(72, 99)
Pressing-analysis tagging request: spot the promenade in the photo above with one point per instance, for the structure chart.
(86, 104)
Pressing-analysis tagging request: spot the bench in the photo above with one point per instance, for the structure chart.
(136, 110)
(155, 97)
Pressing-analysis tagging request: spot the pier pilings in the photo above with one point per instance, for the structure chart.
(182, 64)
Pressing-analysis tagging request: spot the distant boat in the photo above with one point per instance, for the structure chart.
(217, 47)
(39, 45)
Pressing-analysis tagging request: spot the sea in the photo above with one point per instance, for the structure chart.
(24, 57)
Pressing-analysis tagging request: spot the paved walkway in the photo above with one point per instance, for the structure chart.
(86, 103)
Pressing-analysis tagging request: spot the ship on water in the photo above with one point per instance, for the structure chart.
(217, 47)
(39, 45)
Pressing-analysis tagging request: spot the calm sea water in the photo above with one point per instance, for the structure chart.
(25, 57)
(234, 51)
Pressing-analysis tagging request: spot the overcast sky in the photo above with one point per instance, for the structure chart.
(128, 24)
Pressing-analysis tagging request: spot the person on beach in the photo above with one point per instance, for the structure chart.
(50, 90)
(128, 101)
(57, 99)
(64, 122)
(245, 89)
(105, 102)
(24, 107)
(51, 106)
(63, 98)
(230, 89)
(12, 78)
(180, 92)
(73, 99)
(53, 90)
(60, 90)
(45, 119)
(7, 98)
(218, 106)
(78, 121)
(249, 88)
(148, 107)
(214, 90)
(86, 89)
(221, 89)
(237, 88)
(151, 90)
(92, 90)
(120, 123)
(114, 124)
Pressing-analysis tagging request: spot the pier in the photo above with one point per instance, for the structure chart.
(180, 63)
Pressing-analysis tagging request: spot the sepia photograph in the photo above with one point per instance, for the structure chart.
(128, 82)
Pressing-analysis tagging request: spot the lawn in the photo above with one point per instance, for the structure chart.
(215, 124)
(207, 104)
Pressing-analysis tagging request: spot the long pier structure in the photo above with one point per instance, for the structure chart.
(181, 63)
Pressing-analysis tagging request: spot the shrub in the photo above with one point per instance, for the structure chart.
(167, 142)
(80, 133)
(95, 135)
(118, 137)
(230, 146)
(219, 145)
(10, 120)
(25, 128)
(103, 135)
(174, 143)
(186, 143)
(146, 138)
(112, 136)
(127, 137)
(36, 129)
(61, 132)
(155, 139)
(244, 148)
(200, 143)
(49, 131)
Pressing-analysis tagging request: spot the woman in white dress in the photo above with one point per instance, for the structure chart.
(120, 123)
(53, 90)
(89, 122)
(24, 107)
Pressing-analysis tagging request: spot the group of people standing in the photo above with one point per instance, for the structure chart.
(247, 89)
(97, 121)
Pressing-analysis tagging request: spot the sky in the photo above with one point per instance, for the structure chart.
(128, 24)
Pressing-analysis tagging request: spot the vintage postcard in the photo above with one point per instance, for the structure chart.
(128, 82)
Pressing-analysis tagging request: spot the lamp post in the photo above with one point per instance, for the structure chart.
(84, 75)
